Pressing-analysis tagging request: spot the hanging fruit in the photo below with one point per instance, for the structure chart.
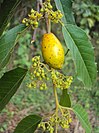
(52, 51)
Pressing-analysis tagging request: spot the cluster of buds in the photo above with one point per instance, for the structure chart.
(62, 120)
(54, 16)
(38, 75)
(32, 19)
(61, 81)
(46, 7)
(46, 10)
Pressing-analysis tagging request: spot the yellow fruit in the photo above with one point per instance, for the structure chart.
(52, 51)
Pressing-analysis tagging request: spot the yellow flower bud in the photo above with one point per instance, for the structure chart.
(35, 24)
(29, 86)
(32, 16)
(27, 24)
(23, 21)
(39, 16)
(42, 10)
(32, 11)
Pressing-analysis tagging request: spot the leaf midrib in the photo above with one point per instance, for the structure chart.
(10, 15)
(79, 54)
(81, 119)
(31, 126)
(12, 88)
(10, 50)
(62, 10)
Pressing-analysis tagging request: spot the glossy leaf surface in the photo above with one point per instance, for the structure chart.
(82, 53)
(66, 8)
(28, 124)
(83, 117)
(65, 99)
(7, 9)
(9, 84)
(7, 43)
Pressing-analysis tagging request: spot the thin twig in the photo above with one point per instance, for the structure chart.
(56, 97)
(57, 104)
(76, 128)
(66, 108)
(48, 25)
(39, 3)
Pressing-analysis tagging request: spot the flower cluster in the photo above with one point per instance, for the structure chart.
(61, 81)
(46, 10)
(38, 75)
(54, 16)
(64, 119)
(32, 19)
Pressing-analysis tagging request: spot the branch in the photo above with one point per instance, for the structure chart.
(39, 3)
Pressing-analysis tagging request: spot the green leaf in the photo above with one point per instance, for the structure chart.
(7, 43)
(6, 12)
(28, 124)
(82, 53)
(83, 117)
(65, 99)
(9, 84)
(66, 8)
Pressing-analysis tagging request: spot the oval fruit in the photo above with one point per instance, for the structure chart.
(52, 51)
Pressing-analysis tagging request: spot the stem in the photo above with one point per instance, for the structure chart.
(56, 97)
(34, 35)
(48, 23)
(61, 109)
(45, 66)
(56, 128)
(49, 26)
(35, 30)
(66, 108)
(57, 104)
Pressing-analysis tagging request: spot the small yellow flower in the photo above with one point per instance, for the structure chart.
(29, 86)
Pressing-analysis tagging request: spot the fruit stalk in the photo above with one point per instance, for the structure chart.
(48, 24)
(56, 97)
(57, 104)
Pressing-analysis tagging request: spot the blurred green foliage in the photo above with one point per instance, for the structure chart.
(23, 51)
(86, 13)
(87, 17)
